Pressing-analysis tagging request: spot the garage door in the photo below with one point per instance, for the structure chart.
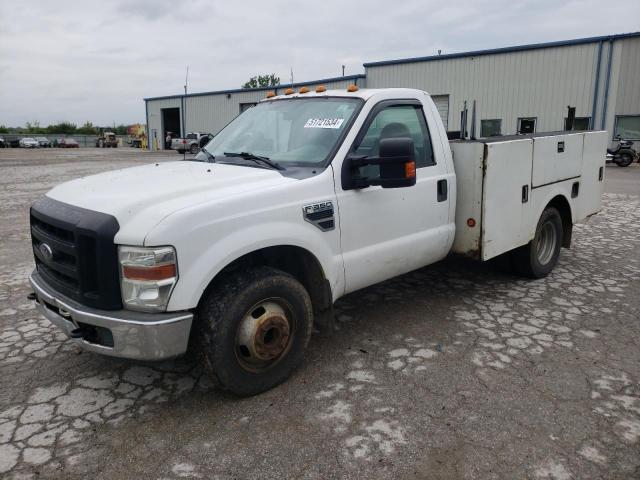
(442, 104)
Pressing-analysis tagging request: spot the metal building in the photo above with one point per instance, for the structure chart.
(519, 89)
(528, 88)
(209, 112)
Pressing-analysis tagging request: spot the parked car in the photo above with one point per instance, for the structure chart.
(28, 142)
(68, 143)
(239, 250)
(192, 143)
(43, 142)
(3, 144)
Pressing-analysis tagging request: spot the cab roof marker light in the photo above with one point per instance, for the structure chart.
(352, 88)
(289, 91)
(321, 88)
(304, 90)
(271, 94)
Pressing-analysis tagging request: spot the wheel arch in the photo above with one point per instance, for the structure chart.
(297, 261)
(560, 203)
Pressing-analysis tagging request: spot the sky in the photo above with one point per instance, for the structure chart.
(79, 61)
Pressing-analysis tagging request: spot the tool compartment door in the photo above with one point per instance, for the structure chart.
(506, 192)
(556, 158)
(594, 156)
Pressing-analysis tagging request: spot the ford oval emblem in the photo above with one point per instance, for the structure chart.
(46, 252)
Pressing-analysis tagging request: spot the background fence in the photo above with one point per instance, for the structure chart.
(83, 140)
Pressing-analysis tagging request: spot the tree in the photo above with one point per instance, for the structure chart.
(33, 127)
(66, 128)
(3, 129)
(261, 81)
(87, 129)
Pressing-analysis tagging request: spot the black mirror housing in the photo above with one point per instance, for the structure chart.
(396, 161)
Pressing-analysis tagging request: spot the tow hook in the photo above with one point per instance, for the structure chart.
(78, 333)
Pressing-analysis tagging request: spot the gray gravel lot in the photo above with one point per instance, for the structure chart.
(453, 371)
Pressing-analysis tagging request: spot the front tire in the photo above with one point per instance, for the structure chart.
(537, 258)
(193, 149)
(252, 329)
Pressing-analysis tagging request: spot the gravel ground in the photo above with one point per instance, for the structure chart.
(453, 371)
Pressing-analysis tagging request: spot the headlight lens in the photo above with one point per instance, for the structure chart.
(147, 277)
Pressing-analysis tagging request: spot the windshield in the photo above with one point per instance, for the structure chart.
(294, 131)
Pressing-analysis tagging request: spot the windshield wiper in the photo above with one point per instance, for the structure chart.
(256, 158)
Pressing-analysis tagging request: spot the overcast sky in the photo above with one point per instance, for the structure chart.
(85, 60)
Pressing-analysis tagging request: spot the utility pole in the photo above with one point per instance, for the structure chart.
(343, 70)
(184, 111)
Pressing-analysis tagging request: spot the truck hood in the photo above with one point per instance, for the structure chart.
(140, 197)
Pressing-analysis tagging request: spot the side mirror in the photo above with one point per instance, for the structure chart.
(396, 163)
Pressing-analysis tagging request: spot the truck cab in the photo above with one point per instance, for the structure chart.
(240, 250)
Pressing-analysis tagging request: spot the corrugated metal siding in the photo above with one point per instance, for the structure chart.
(537, 83)
(442, 104)
(628, 99)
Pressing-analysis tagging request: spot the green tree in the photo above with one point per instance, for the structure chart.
(87, 129)
(3, 129)
(66, 128)
(261, 81)
(33, 128)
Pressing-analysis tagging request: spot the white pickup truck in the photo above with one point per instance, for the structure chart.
(191, 143)
(300, 200)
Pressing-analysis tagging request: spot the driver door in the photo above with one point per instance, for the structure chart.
(389, 231)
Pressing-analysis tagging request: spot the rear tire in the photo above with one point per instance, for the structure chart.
(252, 329)
(537, 258)
(193, 149)
(625, 160)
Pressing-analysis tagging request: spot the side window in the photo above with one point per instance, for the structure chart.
(399, 121)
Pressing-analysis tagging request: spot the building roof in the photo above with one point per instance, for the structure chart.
(517, 48)
(261, 89)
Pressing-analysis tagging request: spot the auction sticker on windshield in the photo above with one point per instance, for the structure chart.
(324, 123)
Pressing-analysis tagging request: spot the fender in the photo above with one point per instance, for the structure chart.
(541, 198)
(198, 271)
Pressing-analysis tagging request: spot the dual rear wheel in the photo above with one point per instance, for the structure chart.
(537, 258)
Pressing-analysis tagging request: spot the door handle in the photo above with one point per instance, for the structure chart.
(442, 190)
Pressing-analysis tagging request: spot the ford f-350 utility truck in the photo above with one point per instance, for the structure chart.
(300, 200)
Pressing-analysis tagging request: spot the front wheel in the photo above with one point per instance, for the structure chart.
(537, 258)
(252, 329)
(624, 160)
(193, 149)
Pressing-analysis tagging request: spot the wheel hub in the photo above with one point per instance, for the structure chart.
(546, 243)
(264, 333)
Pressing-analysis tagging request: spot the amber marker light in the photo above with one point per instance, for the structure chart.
(321, 88)
(271, 94)
(159, 272)
(352, 88)
(289, 91)
(410, 169)
(304, 90)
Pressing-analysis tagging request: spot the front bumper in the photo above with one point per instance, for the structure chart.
(121, 333)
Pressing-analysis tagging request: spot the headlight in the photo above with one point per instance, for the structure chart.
(147, 277)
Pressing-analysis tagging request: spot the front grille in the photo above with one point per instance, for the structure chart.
(75, 254)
